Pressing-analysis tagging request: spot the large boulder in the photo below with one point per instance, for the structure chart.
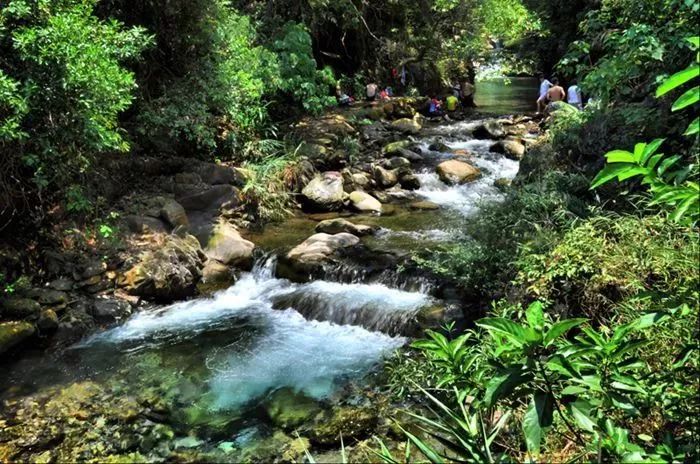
(364, 202)
(109, 310)
(228, 247)
(491, 129)
(144, 224)
(209, 199)
(457, 172)
(512, 149)
(168, 273)
(216, 174)
(14, 333)
(406, 126)
(320, 246)
(339, 225)
(324, 192)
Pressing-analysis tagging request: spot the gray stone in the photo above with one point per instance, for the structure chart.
(48, 321)
(364, 202)
(324, 192)
(20, 308)
(174, 214)
(14, 333)
(228, 247)
(107, 310)
(145, 224)
(457, 172)
(384, 177)
(336, 226)
(209, 199)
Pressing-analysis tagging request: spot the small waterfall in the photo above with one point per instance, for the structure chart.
(372, 306)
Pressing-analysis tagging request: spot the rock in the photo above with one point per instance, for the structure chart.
(320, 246)
(364, 202)
(215, 272)
(411, 156)
(409, 181)
(228, 247)
(14, 333)
(424, 206)
(462, 153)
(107, 310)
(144, 224)
(92, 269)
(396, 162)
(406, 126)
(457, 172)
(511, 148)
(209, 199)
(174, 214)
(47, 296)
(20, 308)
(289, 409)
(336, 226)
(62, 285)
(362, 180)
(324, 192)
(384, 177)
(216, 174)
(489, 130)
(439, 146)
(48, 321)
(394, 147)
(350, 422)
(168, 273)
(502, 183)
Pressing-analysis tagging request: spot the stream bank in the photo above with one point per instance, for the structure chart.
(302, 320)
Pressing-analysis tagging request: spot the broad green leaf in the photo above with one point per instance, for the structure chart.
(608, 173)
(695, 41)
(683, 208)
(573, 390)
(510, 329)
(560, 328)
(650, 149)
(619, 156)
(650, 319)
(562, 365)
(693, 128)
(678, 79)
(623, 402)
(639, 151)
(632, 172)
(503, 385)
(535, 315)
(667, 163)
(688, 98)
(581, 412)
(537, 418)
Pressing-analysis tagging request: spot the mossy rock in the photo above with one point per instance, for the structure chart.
(350, 422)
(20, 308)
(396, 147)
(289, 409)
(14, 333)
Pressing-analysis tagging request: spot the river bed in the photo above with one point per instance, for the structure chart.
(213, 368)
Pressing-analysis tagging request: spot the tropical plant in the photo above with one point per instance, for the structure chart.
(671, 184)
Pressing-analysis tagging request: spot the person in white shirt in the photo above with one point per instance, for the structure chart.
(372, 89)
(575, 98)
(544, 88)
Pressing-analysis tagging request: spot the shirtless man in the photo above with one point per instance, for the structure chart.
(556, 93)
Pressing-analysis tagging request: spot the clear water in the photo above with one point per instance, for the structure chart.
(504, 96)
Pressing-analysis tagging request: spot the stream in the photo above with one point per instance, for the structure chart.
(211, 366)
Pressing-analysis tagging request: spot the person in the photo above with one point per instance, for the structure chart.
(384, 94)
(435, 107)
(575, 98)
(451, 102)
(372, 91)
(544, 88)
(556, 93)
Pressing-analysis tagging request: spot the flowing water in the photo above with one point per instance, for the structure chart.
(215, 360)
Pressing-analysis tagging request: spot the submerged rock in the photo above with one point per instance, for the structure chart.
(350, 422)
(502, 183)
(288, 409)
(14, 333)
(489, 130)
(324, 192)
(457, 172)
(336, 226)
(364, 202)
(424, 205)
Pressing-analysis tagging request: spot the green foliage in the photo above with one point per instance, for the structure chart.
(556, 378)
(216, 103)
(62, 82)
(671, 184)
(298, 75)
(610, 259)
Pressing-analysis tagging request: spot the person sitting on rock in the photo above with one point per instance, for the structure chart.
(451, 102)
(435, 107)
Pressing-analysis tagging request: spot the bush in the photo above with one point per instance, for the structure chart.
(62, 89)
(608, 260)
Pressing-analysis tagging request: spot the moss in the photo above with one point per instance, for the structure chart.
(289, 409)
(14, 333)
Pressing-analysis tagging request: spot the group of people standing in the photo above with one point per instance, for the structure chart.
(552, 92)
